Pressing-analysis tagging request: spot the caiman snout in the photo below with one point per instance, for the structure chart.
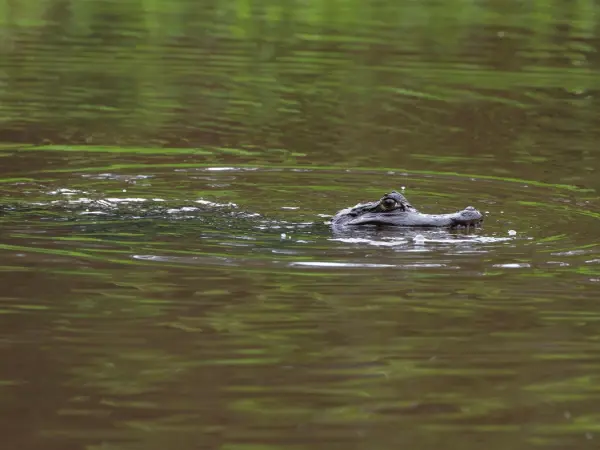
(468, 216)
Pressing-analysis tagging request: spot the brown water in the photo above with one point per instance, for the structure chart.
(167, 276)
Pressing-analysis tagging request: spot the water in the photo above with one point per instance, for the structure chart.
(168, 276)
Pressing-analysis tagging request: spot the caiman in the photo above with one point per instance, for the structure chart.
(394, 209)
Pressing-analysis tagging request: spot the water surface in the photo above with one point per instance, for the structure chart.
(168, 275)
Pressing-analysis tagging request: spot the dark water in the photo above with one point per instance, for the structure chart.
(167, 276)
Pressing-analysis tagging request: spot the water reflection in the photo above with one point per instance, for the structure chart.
(167, 276)
(395, 79)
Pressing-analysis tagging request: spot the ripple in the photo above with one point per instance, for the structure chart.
(324, 264)
(513, 265)
(280, 228)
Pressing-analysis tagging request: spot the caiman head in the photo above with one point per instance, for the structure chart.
(395, 210)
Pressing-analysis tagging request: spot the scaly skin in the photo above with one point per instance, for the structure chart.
(395, 210)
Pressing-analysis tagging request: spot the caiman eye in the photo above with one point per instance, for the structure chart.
(388, 203)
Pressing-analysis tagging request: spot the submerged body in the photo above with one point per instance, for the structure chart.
(395, 210)
(392, 209)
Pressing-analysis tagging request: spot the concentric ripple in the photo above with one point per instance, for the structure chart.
(277, 216)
